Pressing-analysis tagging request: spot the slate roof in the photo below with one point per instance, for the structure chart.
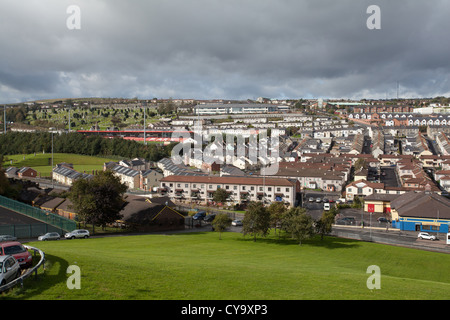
(422, 205)
(70, 173)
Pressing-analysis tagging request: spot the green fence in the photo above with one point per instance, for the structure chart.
(51, 219)
(24, 231)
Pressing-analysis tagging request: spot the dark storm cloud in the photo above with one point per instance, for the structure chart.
(223, 49)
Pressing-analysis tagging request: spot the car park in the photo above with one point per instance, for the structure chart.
(426, 236)
(18, 251)
(79, 233)
(49, 236)
(9, 269)
(7, 237)
(236, 223)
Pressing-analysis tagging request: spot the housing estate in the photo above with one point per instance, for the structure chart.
(241, 190)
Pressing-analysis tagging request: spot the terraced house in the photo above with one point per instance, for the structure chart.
(240, 189)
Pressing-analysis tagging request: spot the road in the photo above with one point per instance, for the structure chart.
(389, 177)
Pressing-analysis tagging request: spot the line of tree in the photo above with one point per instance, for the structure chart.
(26, 143)
(295, 222)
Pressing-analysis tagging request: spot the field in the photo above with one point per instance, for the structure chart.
(199, 266)
(42, 162)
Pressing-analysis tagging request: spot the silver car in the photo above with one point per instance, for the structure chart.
(49, 236)
(9, 269)
(7, 237)
(80, 233)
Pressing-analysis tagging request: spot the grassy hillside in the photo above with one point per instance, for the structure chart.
(42, 162)
(200, 266)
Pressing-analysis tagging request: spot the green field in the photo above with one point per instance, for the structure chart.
(42, 162)
(194, 266)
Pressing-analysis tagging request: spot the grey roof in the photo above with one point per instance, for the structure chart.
(70, 173)
(422, 204)
(125, 171)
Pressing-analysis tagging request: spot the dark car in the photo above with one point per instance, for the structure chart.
(346, 221)
(199, 215)
(382, 219)
(209, 217)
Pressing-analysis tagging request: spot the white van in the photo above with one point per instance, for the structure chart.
(326, 206)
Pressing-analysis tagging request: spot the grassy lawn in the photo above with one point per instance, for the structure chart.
(193, 266)
(42, 162)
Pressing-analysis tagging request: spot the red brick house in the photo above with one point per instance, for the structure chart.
(27, 172)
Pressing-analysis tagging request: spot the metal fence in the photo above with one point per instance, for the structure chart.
(26, 231)
(46, 217)
(28, 272)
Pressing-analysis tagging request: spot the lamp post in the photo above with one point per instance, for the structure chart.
(53, 184)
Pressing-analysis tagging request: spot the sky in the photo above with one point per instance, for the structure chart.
(223, 49)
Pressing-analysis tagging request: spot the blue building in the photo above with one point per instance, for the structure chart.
(421, 211)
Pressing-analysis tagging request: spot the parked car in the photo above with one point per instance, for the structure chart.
(7, 237)
(199, 215)
(326, 206)
(79, 233)
(9, 269)
(346, 220)
(318, 200)
(209, 217)
(426, 236)
(49, 236)
(382, 219)
(18, 251)
(236, 223)
(311, 199)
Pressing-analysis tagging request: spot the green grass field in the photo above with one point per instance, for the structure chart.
(194, 266)
(42, 162)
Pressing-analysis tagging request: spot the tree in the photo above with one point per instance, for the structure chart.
(325, 223)
(221, 222)
(99, 200)
(256, 220)
(4, 183)
(276, 211)
(220, 195)
(299, 224)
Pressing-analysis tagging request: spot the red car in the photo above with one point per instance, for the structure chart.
(18, 251)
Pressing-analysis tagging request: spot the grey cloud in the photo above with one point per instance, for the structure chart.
(223, 49)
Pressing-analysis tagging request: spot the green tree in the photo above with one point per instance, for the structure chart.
(298, 224)
(220, 195)
(98, 201)
(256, 220)
(276, 211)
(4, 183)
(325, 223)
(221, 222)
